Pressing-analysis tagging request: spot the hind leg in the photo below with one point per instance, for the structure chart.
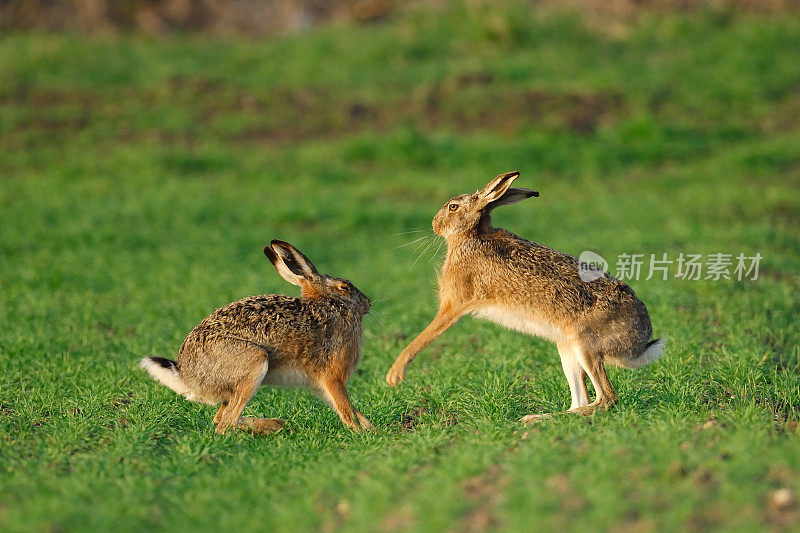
(242, 392)
(576, 377)
(221, 410)
(605, 395)
(260, 426)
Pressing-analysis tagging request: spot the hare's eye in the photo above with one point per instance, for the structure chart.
(452, 207)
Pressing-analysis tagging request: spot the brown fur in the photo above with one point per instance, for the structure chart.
(314, 340)
(495, 274)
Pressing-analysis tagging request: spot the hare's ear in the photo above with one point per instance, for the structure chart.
(513, 195)
(496, 188)
(290, 263)
(500, 192)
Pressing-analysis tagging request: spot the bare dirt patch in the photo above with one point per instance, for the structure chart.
(484, 492)
(469, 101)
(402, 519)
(782, 508)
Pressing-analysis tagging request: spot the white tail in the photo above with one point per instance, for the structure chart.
(166, 372)
(650, 354)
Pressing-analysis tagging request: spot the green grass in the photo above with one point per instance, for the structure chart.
(140, 178)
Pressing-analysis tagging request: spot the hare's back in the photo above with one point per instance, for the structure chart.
(539, 273)
(263, 313)
(529, 261)
(257, 319)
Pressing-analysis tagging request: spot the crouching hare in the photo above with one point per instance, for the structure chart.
(312, 341)
(494, 274)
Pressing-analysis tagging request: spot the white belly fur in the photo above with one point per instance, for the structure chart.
(520, 322)
(286, 376)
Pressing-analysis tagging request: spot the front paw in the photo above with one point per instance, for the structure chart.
(395, 376)
(361, 427)
(365, 424)
(358, 425)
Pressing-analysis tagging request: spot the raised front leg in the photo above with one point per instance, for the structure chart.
(446, 317)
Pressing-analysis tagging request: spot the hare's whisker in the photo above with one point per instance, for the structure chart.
(430, 242)
(436, 253)
(420, 246)
(408, 243)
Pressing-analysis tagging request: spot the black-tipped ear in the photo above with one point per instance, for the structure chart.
(513, 195)
(496, 188)
(290, 263)
(272, 256)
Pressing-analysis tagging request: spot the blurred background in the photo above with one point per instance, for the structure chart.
(271, 17)
(150, 149)
(251, 17)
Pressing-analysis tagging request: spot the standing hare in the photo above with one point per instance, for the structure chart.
(312, 341)
(494, 274)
